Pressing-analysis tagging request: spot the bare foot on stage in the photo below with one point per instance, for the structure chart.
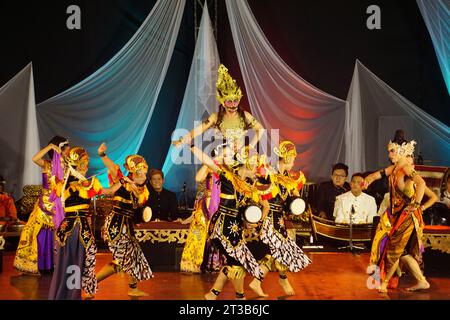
(383, 287)
(421, 285)
(210, 296)
(287, 288)
(255, 285)
(89, 296)
(244, 298)
(137, 293)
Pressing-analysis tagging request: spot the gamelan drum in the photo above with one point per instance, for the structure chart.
(147, 214)
(253, 214)
(296, 206)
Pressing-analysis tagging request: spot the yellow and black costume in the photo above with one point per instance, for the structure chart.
(75, 237)
(283, 254)
(227, 224)
(119, 226)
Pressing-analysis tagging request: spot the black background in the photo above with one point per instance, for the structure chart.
(319, 39)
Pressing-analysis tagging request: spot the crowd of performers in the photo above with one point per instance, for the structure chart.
(230, 181)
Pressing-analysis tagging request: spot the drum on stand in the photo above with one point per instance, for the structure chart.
(253, 214)
(147, 214)
(308, 193)
(295, 205)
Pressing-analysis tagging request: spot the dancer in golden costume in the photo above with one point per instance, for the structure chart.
(194, 248)
(119, 225)
(404, 218)
(283, 254)
(231, 120)
(75, 234)
(226, 226)
(385, 225)
(35, 249)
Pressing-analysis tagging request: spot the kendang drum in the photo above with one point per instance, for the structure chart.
(295, 205)
(253, 214)
(309, 193)
(143, 214)
(437, 215)
(147, 214)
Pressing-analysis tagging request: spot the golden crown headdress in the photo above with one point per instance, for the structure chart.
(226, 86)
(405, 149)
(136, 164)
(249, 155)
(75, 155)
(286, 149)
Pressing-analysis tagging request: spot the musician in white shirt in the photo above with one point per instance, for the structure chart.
(364, 206)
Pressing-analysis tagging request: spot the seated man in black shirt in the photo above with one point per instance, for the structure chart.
(162, 201)
(328, 191)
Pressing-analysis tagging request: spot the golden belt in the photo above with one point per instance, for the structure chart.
(76, 208)
(227, 196)
(228, 211)
(120, 199)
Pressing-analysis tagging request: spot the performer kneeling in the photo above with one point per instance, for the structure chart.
(75, 236)
(284, 253)
(226, 226)
(119, 225)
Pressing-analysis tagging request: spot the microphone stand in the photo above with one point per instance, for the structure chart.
(351, 247)
(185, 197)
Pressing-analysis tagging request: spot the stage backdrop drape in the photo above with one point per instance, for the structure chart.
(115, 104)
(378, 110)
(20, 140)
(281, 99)
(436, 14)
(198, 103)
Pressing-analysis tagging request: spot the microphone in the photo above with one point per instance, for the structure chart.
(352, 213)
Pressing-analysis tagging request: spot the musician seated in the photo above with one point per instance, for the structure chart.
(328, 191)
(8, 209)
(445, 196)
(163, 202)
(356, 203)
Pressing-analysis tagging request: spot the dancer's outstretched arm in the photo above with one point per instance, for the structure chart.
(255, 125)
(377, 175)
(111, 190)
(205, 125)
(109, 164)
(38, 156)
(202, 173)
(205, 159)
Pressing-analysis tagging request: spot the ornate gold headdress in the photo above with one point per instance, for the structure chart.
(136, 164)
(249, 155)
(226, 86)
(75, 156)
(286, 149)
(405, 149)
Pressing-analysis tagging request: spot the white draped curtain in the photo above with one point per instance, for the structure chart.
(19, 140)
(436, 14)
(377, 111)
(115, 104)
(198, 103)
(281, 99)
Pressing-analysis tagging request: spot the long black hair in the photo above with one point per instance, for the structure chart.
(57, 140)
